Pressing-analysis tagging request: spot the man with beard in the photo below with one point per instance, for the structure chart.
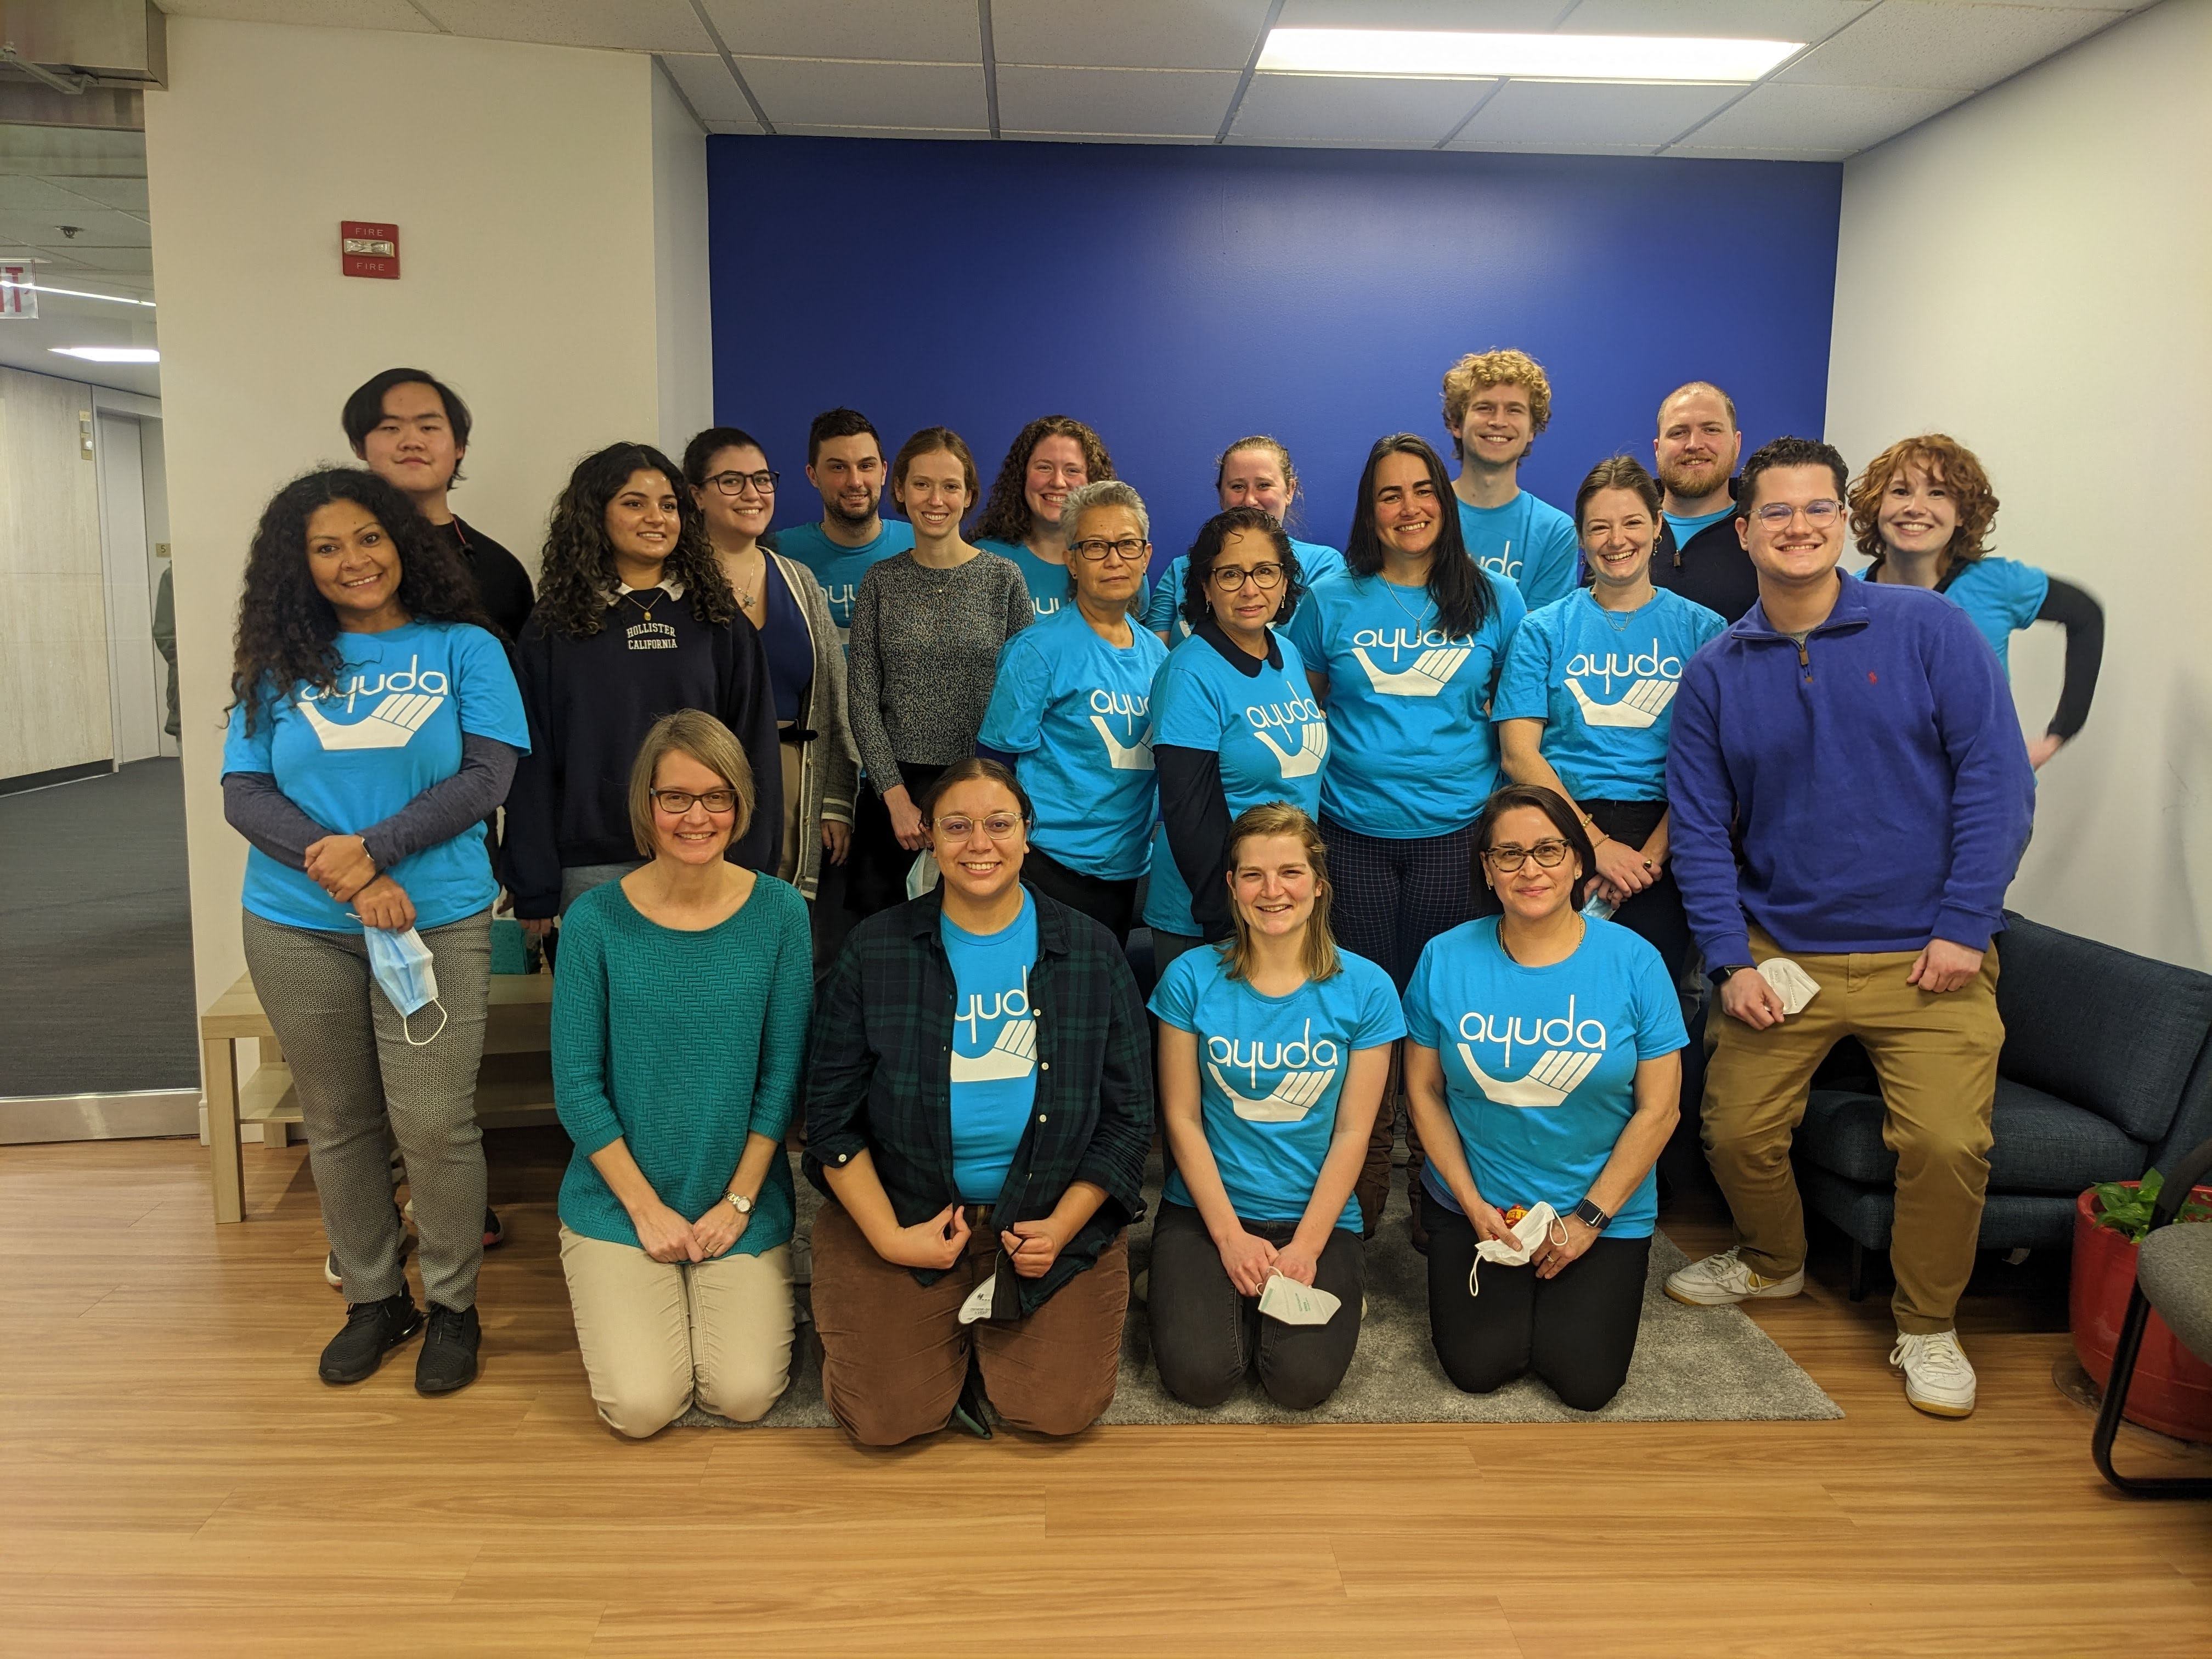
(1698, 554)
(413, 431)
(845, 462)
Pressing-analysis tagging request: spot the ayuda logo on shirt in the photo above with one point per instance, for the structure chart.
(1572, 1049)
(1304, 1069)
(1012, 1050)
(408, 698)
(1439, 659)
(1654, 681)
(1305, 729)
(1128, 752)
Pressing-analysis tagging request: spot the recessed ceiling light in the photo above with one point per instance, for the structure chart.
(110, 354)
(1450, 55)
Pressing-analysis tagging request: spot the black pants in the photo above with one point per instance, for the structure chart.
(1655, 914)
(877, 867)
(1206, 1336)
(1113, 904)
(1576, 1332)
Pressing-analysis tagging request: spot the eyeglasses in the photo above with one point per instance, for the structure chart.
(1129, 549)
(1265, 577)
(733, 484)
(1000, 826)
(1820, 514)
(1506, 859)
(676, 802)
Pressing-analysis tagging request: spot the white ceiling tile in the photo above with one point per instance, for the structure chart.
(1498, 147)
(127, 194)
(1582, 112)
(1095, 100)
(1738, 19)
(810, 130)
(330, 14)
(707, 82)
(805, 91)
(1353, 109)
(1128, 34)
(1913, 43)
(124, 261)
(1781, 116)
(626, 26)
(886, 30)
(96, 227)
(1531, 16)
(22, 194)
(1719, 153)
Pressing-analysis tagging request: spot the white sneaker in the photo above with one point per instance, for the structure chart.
(1937, 1378)
(330, 1274)
(1723, 1280)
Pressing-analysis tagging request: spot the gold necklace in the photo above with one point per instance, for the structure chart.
(646, 606)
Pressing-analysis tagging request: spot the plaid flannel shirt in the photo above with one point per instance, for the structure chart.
(879, 1077)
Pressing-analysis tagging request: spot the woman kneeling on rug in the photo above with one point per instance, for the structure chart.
(979, 1107)
(679, 1016)
(1543, 1070)
(1274, 1049)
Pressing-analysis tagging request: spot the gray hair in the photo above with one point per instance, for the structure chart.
(1104, 492)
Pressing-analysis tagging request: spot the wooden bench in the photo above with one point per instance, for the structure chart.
(514, 1086)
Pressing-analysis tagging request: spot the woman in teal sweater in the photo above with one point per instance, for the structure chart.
(679, 1016)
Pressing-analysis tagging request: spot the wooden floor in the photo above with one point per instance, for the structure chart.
(173, 1481)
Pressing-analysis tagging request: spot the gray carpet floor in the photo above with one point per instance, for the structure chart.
(96, 968)
(1691, 1364)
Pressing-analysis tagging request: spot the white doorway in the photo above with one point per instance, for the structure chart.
(139, 674)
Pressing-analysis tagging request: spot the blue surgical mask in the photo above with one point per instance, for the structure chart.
(406, 975)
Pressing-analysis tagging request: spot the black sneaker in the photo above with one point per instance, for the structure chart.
(373, 1329)
(448, 1359)
(494, 1229)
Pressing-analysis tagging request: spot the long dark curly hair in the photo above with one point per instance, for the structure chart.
(1198, 575)
(578, 579)
(1006, 512)
(286, 630)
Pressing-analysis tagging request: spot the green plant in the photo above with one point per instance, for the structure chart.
(2125, 1205)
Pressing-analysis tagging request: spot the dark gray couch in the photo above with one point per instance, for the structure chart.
(2107, 1072)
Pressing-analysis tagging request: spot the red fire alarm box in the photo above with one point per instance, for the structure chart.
(367, 250)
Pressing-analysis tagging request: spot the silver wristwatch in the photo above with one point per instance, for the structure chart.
(739, 1202)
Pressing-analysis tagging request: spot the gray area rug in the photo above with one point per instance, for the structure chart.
(1691, 1364)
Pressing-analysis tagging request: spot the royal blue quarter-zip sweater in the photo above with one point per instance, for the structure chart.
(1873, 780)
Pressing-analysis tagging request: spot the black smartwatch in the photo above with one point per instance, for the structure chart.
(1591, 1217)
(1720, 973)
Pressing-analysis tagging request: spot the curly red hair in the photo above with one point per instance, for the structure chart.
(1944, 459)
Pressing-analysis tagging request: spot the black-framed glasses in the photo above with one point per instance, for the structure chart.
(1776, 515)
(1129, 549)
(1000, 826)
(1265, 577)
(676, 802)
(733, 484)
(1506, 859)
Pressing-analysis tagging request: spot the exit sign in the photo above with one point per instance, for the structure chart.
(369, 250)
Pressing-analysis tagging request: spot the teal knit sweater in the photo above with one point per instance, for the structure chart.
(680, 1044)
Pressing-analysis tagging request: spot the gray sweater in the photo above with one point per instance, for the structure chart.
(924, 654)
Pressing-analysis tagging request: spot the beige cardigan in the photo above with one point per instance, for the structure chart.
(828, 765)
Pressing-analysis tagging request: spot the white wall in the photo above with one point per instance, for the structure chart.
(686, 342)
(2032, 273)
(524, 182)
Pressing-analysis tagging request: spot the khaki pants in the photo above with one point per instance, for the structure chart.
(1937, 1058)
(657, 1335)
(895, 1353)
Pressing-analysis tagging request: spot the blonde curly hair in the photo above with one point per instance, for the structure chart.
(1480, 370)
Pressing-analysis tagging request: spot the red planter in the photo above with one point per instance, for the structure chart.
(2172, 1389)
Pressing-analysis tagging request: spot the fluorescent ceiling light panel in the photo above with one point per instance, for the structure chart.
(110, 354)
(1433, 54)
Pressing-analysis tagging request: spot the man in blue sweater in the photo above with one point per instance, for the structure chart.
(1851, 792)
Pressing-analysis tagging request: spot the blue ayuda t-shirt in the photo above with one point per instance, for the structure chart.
(993, 1049)
(1529, 542)
(1270, 1073)
(2001, 597)
(351, 759)
(839, 568)
(1163, 611)
(1685, 528)
(1408, 704)
(1271, 736)
(1078, 713)
(1539, 1063)
(1603, 682)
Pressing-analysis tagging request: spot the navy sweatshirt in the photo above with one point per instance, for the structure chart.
(1712, 570)
(592, 700)
(1875, 779)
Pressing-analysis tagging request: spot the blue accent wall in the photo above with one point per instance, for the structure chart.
(1178, 297)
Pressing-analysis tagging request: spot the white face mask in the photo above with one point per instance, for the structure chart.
(406, 975)
(1530, 1230)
